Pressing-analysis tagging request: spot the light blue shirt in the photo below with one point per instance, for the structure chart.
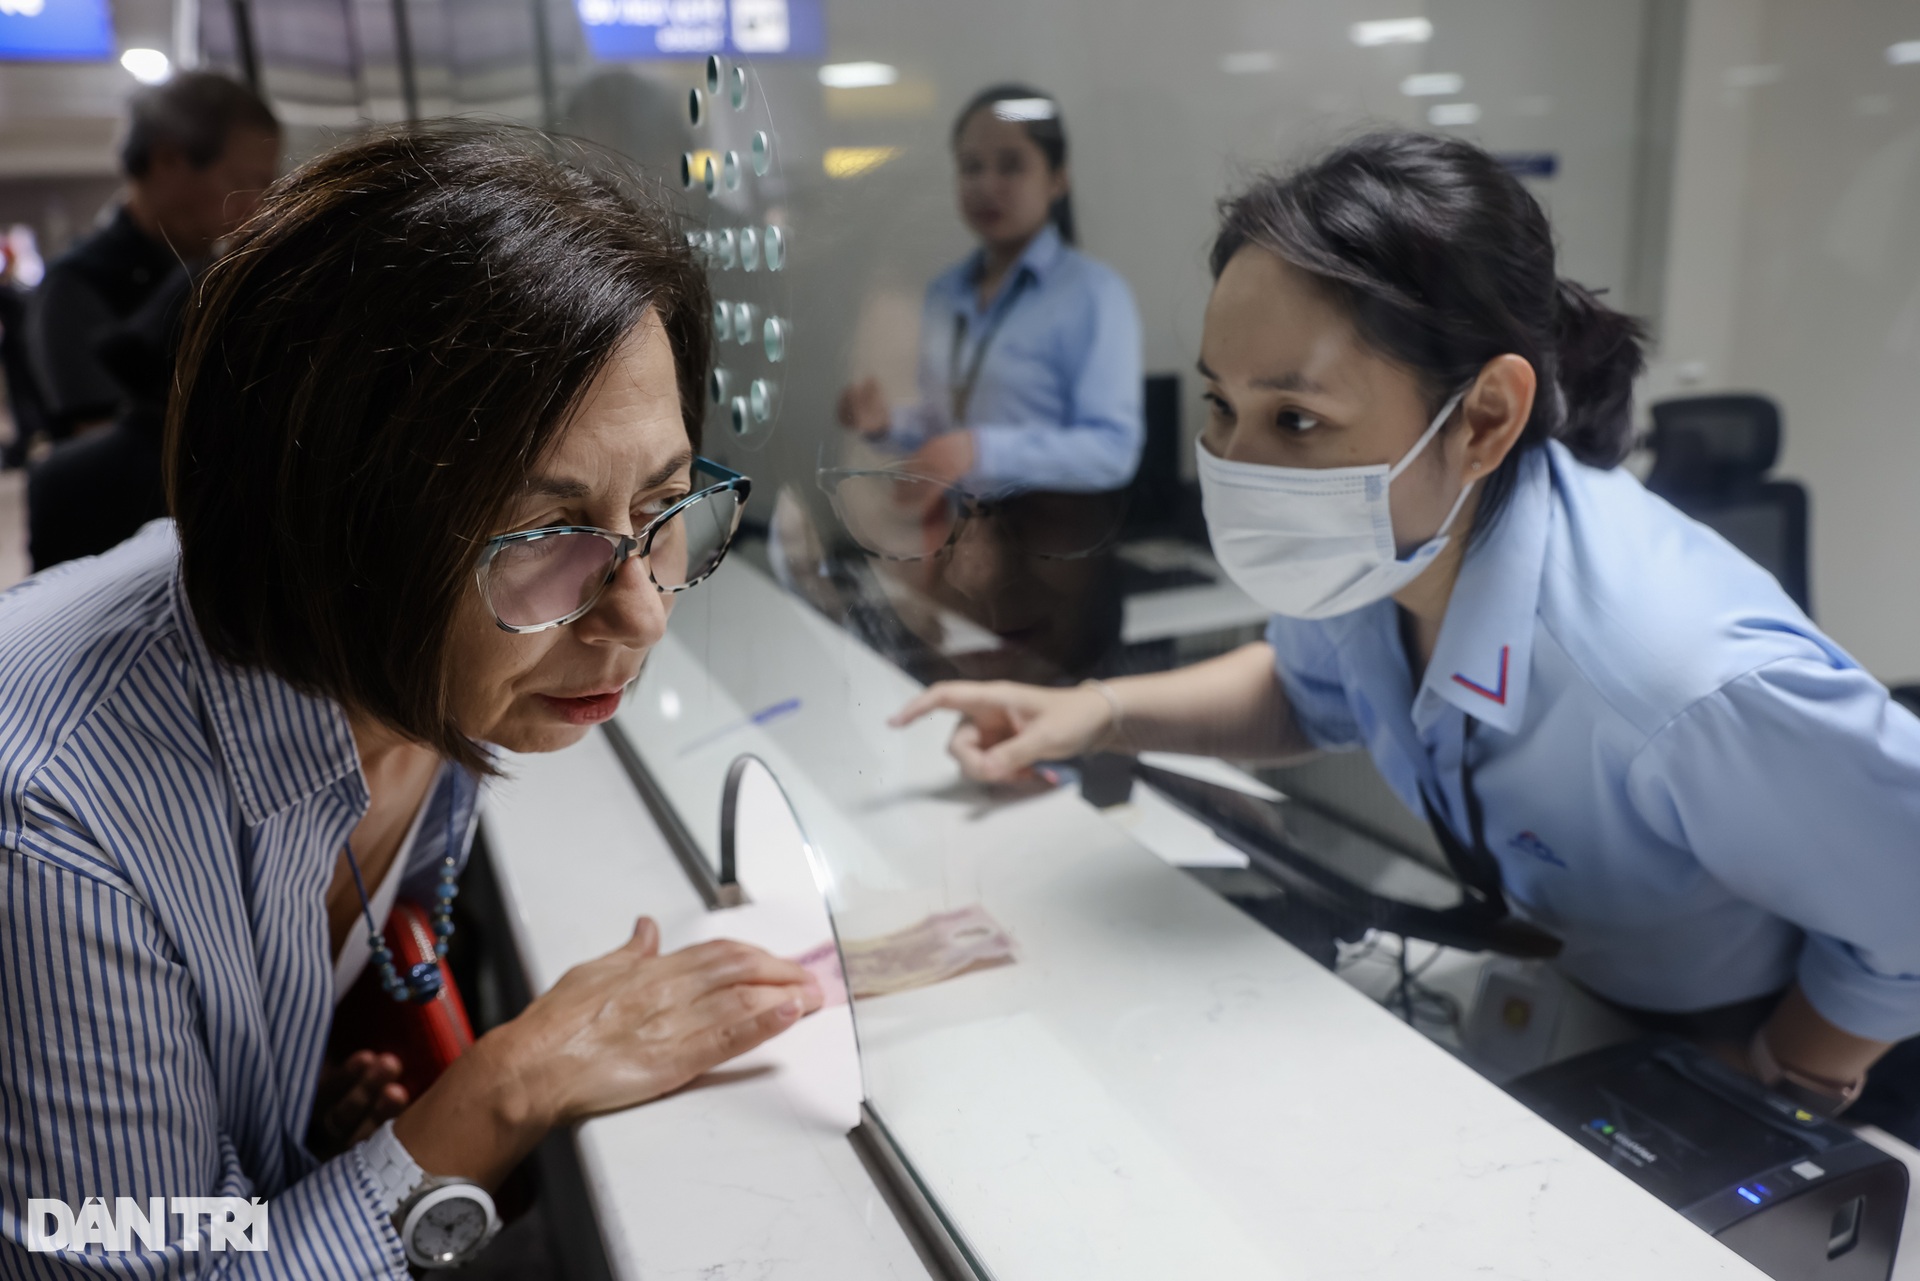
(168, 829)
(1704, 796)
(1057, 404)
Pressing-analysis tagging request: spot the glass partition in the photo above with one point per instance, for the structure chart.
(1743, 182)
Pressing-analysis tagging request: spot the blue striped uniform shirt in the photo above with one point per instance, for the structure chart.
(168, 828)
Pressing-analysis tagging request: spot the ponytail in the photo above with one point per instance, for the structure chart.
(1599, 354)
(1443, 261)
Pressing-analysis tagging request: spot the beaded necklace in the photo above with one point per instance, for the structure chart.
(423, 980)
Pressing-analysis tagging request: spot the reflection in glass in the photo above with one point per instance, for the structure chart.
(760, 397)
(749, 249)
(722, 321)
(762, 153)
(775, 338)
(948, 586)
(776, 245)
(696, 106)
(738, 92)
(901, 516)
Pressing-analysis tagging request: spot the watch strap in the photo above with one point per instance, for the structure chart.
(395, 1173)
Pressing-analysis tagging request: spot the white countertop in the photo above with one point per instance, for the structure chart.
(1158, 1087)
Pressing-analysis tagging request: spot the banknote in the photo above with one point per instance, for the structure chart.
(937, 948)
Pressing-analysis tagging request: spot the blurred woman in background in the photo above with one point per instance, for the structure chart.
(1029, 372)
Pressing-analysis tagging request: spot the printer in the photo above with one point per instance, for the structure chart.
(1796, 1195)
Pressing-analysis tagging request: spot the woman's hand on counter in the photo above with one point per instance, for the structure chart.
(614, 1032)
(1005, 727)
(863, 407)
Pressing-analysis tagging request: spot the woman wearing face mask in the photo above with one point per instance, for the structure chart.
(1621, 727)
(1029, 371)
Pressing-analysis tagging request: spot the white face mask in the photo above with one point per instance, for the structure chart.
(1314, 542)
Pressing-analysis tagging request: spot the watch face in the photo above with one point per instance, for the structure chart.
(449, 1228)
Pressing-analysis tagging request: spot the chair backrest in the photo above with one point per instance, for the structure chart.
(1711, 455)
(1712, 444)
(1154, 495)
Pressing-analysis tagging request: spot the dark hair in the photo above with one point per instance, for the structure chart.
(1444, 261)
(195, 113)
(1048, 133)
(400, 333)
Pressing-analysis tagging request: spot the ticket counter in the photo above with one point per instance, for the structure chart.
(1156, 1087)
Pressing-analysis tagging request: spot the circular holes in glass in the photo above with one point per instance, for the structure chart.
(760, 398)
(686, 170)
(739, 415)
(719, 383)
(737, 88)
(775, 242)
(774, 336)
(743, 323)
(710, 176)
(696, 107)
(713, 73)
(762, 153)
(722, 322)
(706, 247)
(724, 250)
(749, 249)
(732, 171)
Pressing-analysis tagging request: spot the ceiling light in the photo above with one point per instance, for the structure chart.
(851, 162)
(1754, 77)
(1023, 109)
(858, 75)
(1433, 84)
(1454, 113)
(1392, 31)
(148, 66)
(1249, 62)
(1906, 53)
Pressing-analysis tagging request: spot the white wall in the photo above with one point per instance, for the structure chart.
(1794, 269)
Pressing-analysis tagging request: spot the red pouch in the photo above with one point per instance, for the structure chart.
(424, 1036)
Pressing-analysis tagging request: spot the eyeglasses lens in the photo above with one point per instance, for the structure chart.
(540, 580)
(900, 517)
(689, 547)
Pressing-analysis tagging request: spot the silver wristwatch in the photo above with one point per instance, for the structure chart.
(442, 1222)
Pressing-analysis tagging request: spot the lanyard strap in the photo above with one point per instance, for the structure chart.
(1475, 867)
(961, 386)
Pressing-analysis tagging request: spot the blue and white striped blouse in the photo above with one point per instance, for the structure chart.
(168, 828)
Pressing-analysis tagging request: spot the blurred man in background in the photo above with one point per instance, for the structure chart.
(198, 151)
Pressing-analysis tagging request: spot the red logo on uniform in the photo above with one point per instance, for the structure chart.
(1498, 694)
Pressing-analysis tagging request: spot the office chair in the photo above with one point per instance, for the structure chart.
(1711, 455)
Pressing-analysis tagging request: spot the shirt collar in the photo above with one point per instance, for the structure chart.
(280, 746)
(1036, 260)
(1481, 662)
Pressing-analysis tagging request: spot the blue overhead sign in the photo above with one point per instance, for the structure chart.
(618, 30)
(55, 30)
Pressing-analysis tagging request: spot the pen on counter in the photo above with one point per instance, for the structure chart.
(767, 714)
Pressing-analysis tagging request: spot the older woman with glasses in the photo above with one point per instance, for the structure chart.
(433, 470)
